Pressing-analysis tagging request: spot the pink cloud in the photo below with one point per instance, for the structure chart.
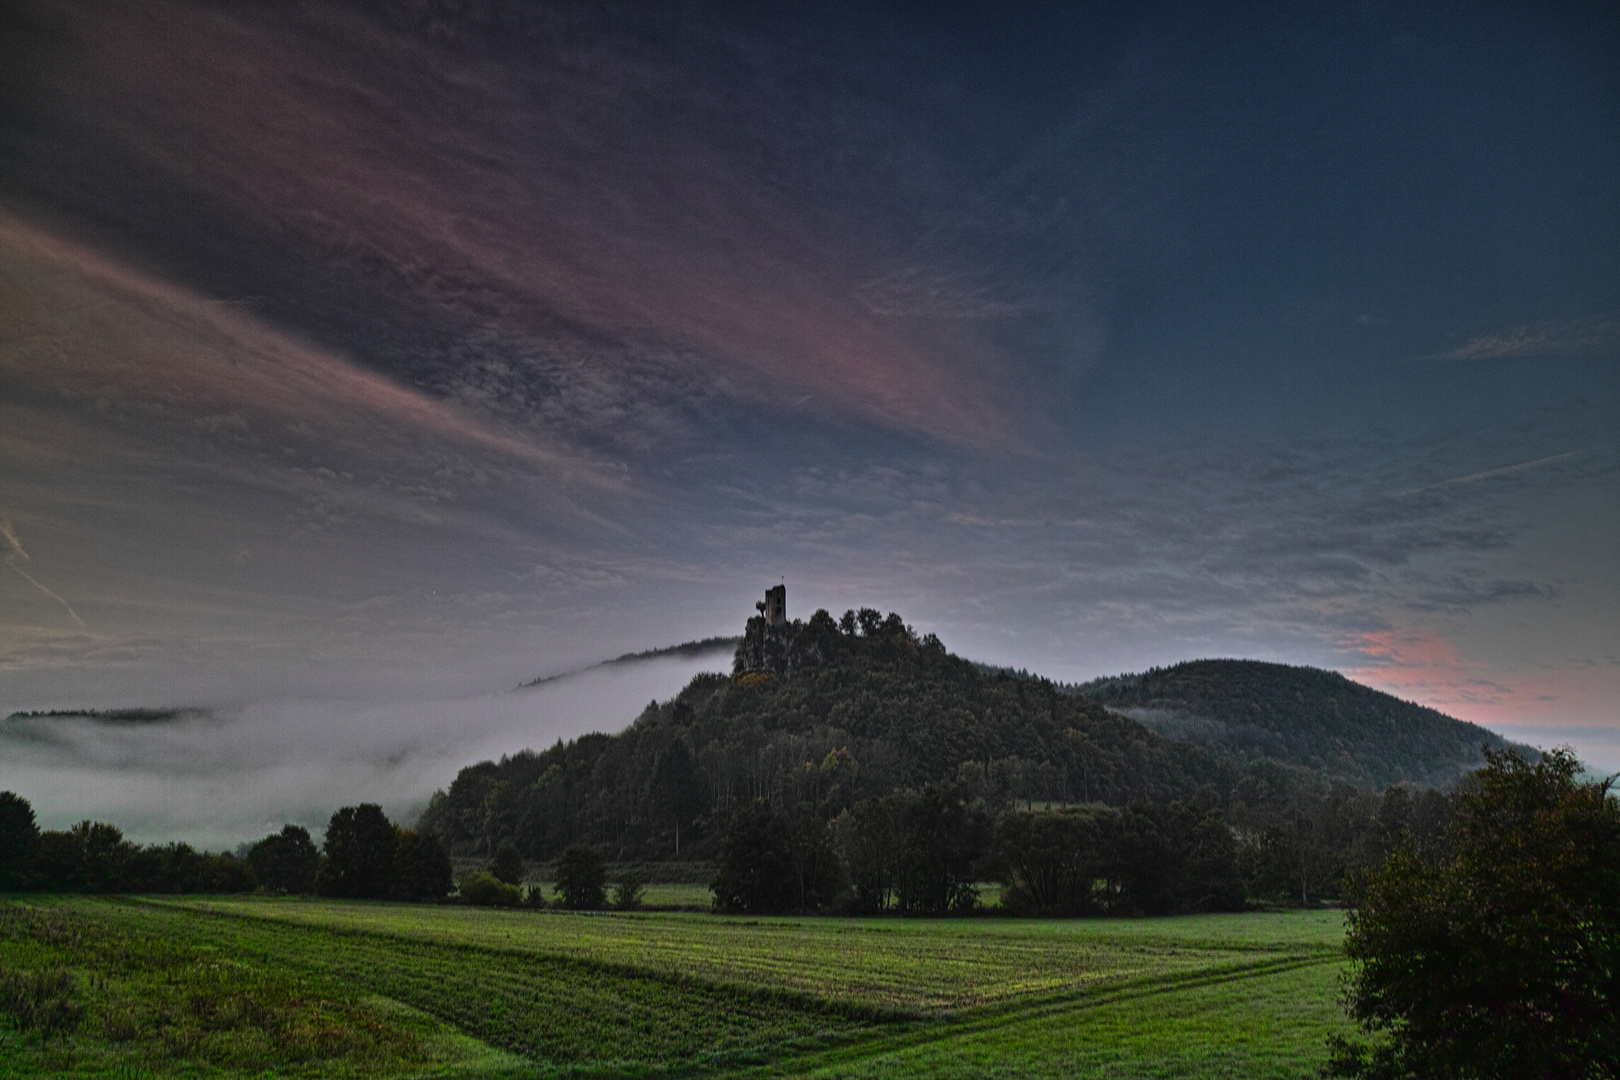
(522, 198)
(95, 330)
(1424, 667)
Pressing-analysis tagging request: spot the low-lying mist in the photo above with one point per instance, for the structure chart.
(217, 777)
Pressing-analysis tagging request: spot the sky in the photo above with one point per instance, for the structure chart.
(359, 361)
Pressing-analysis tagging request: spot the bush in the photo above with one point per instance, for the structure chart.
(507, 864)
(627, 893)
(486, 890)
(582, 879)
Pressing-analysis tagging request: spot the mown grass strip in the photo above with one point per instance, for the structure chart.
(917, 966)
(1266, 1025)
(551, 1009)
(1072, 1005)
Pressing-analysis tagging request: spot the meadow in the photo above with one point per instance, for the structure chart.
(238, 987)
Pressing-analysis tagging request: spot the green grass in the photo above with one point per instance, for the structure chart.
(243, 987)
(145, 1002)
(1254, 1027)
(921, 966)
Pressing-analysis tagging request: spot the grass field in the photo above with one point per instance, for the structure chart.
(256, 987)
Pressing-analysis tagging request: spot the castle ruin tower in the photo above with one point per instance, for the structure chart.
(775, 607)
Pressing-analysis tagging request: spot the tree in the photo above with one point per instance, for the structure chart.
(755, 874)
(1052, 861)
(360, 847)
(582, 879)
(870, 841)
(287, 861)
(422, 868)
(943, 838)
(677, 790)
(19, 841)
(627, 893)
(1502, 958)
(507, 865)
(91, 857)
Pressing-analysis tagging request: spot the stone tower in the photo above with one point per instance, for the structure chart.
(766, 639)
(774, 607)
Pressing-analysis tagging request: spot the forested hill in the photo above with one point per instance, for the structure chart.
(857, 710)
(1305, 716)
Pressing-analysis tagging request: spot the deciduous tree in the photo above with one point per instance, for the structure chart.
(1500, 959)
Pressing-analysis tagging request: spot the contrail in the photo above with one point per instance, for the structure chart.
(1488, 473)
(11, 538)
(17, 550)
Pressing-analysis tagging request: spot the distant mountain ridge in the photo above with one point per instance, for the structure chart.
(1303, 716)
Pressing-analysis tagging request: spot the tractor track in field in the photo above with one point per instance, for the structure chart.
(857, 1048)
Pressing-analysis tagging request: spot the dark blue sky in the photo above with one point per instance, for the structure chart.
(360, 349)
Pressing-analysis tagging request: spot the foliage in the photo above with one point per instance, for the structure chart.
(1298, 716)
(507, 864)
(286, 862)
(486, 890)
(1500, 957)
(755, 871)
(19, 841)
(359, 849)
(1144, 860)
(865, 710)
(628, 892)
(94, 857)
(582, 879)
(422, 868)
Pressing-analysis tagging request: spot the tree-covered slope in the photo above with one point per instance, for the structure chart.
(1321, 720)
(853, 711)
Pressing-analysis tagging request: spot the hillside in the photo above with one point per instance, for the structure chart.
(853, 712)
(1249, 710)
(819, 715)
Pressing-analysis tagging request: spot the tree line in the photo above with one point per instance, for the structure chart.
(925, 852)
(364, 855)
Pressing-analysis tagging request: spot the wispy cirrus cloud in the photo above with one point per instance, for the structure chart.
(1597, 336)
(558, 203)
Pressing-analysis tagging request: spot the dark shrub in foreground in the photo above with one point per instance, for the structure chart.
(1499, 958)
